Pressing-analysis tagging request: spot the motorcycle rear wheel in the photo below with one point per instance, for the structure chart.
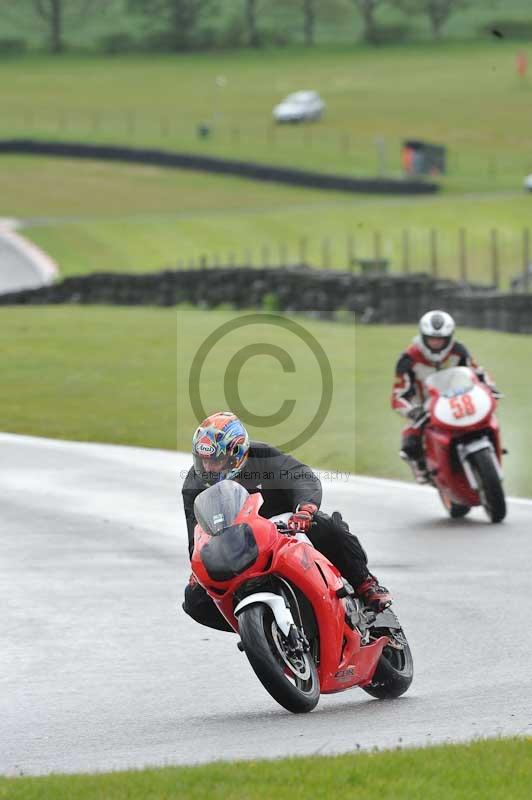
(489, 485)
(292, 682)
(394, 672)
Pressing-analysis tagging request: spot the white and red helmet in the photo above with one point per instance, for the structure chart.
(436, 329)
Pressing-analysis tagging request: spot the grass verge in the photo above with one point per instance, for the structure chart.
(486, 770)
(122, 376)
(94, 374)
(137, 218)
(443, 93)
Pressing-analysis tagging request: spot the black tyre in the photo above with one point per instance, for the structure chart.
(455, 510)
(395, 670)
(291, 680)
(489, 485)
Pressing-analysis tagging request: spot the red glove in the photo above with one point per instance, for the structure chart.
(302, 518)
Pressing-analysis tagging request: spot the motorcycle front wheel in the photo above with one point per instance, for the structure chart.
(489, 485)
(292, 680)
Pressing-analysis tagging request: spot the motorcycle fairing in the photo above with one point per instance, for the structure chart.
(343, 660)
(446, 390)
(230, 554)
(320, 585)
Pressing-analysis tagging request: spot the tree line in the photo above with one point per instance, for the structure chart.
(177, 24)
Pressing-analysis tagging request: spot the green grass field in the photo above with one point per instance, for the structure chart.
(121, 375)
(95, 374)
(487, 770)
(91, 216)
(445, 94)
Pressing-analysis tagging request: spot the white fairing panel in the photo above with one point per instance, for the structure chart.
(463, 410)
(283, 615)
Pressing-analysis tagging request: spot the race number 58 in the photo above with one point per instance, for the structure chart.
(462, 406)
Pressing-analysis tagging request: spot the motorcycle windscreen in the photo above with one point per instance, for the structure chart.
(452, 382)
(216, 508)
(231, 553)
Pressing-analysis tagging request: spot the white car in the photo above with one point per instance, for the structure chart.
(299, 107)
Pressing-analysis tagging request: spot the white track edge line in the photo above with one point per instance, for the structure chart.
(364, 479)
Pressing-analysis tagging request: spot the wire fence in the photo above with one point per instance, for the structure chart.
(492, 261)
(324, 146)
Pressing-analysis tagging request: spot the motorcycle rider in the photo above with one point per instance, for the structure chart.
(221, 450)
(435, 348)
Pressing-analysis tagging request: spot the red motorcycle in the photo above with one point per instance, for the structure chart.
(462, 443)
(301, 627)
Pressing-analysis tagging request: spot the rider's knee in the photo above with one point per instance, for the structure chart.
(194, 600)
(198, 605)
(412, 446)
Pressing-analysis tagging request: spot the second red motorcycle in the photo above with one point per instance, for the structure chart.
(462, 443)
(302, 628)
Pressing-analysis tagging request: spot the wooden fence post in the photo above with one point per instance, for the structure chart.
(28, 119)
(463, 254)
(131, 122)
(96, 120)
(303, 250)
(351, 252)
(345, 143)
(265, 255)
(495, 276)
(164, 126)
(434, 253)
(526, 259)
(406, 251)
(325, 253)
(377, 245)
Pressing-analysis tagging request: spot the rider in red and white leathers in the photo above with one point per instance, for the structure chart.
(433, 349)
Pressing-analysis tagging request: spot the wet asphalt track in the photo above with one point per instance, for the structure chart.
(22, 266)
(99, 671)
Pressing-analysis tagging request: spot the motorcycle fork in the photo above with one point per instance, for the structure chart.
(297, 639)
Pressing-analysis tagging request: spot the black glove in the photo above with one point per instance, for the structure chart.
(416, 413)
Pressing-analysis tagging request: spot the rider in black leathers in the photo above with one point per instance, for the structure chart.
(221, 450)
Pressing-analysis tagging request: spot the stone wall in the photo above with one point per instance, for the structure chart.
(299, 289)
